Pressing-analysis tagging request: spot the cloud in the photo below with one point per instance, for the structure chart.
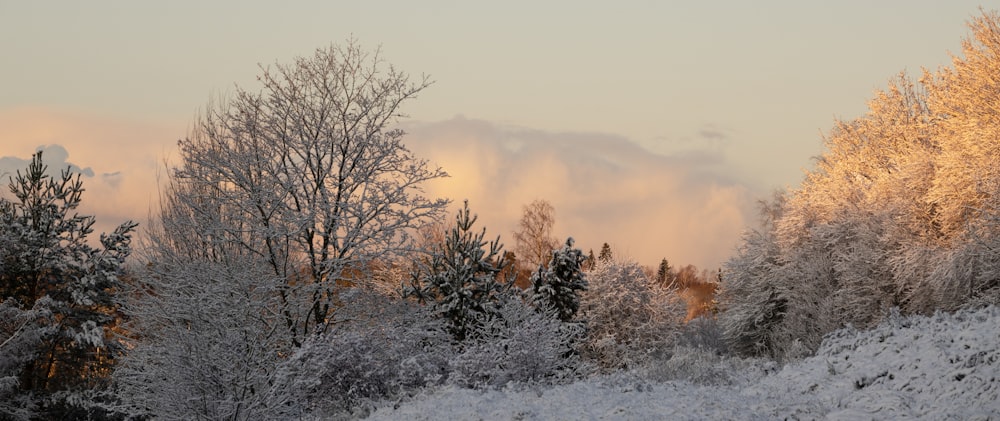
(683, 206)
(604, 188)
(55, 158)
(713, 133)
(118, 158)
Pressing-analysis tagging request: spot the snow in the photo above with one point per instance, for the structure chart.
(940, 367)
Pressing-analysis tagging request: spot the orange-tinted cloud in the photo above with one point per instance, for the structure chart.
(604, 188)
(119, 159)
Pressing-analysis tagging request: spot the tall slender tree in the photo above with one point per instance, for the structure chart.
(534, 241)
(665, 274)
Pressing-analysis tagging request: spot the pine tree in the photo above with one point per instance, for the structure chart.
(460, 278)
(605, 255)
(558, 286)
(665, 274)
(58, 285)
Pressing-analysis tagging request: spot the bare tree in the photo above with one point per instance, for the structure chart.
(305, 175)
(534, 241)
(283, 194)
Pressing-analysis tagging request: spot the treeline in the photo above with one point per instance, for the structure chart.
(902, 210)
(296, 268)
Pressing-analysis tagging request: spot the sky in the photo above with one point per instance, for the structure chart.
(654, 126)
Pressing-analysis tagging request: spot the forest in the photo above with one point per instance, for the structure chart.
(295, 268)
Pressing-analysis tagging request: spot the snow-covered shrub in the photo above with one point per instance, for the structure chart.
(942, 367)
(629, 319)
(703, 367)
(379, 349)
(703, 333)
(209, 341)
(519, 344)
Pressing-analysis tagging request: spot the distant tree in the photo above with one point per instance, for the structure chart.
(558, 285)
(515, 271)
(605, 255)
(665, 274)
(56, 294)
(534, 241)
(687, 276)
(591, 260)
(459, 279)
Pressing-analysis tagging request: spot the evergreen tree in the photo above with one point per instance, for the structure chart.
(591, 260)
(558, 286)
(460, 277)
(605, 256)
(665, 274)
(56, 292)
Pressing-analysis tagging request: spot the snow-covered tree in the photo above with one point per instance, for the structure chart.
(459, 279)
(284, 196)
(558, 285)
(967, 123)
(57, 292)
(900, 211)
(751, 303)
(305, 174)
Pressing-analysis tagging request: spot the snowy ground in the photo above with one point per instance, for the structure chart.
(936, 368)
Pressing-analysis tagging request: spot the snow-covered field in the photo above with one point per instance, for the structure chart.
(943, 367)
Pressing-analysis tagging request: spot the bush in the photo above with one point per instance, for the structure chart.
(629, 320)
(703, 333)
(395, 348)
(519, 345)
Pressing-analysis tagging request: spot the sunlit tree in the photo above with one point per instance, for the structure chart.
(900, 211)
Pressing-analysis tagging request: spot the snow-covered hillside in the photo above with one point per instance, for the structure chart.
(942, 367)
